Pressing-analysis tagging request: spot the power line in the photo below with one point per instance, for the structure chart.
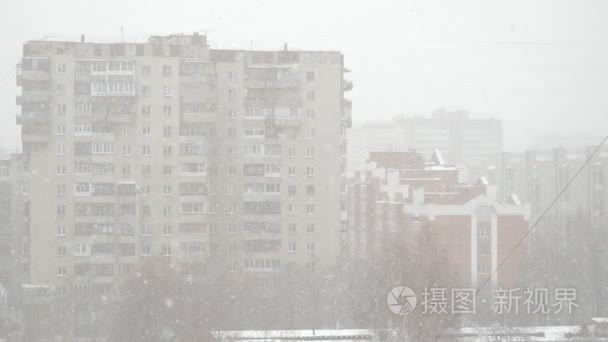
(518, 244)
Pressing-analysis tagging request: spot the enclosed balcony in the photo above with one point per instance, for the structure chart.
(35, 134)
(348, 86)
(34, 96)
(34, 117)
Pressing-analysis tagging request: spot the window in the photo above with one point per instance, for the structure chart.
(292, 227)
(291, 170)
(126, 170)
(102, 147)
(145, 150)
(292, 247)
(310, 190)
(310, 76)
(62, 251)
(126, 150)
(61, 230)
(62, 271)
(310, 96)
(483, 268)
(167, 210)
(146, 70)
(167, 110)
(61, 68)
(167, 170)
(124, 131)
(310, 152)
(61, 170)
(167, 149)
(167, 131)
(145, 111)
(231, 113)
(310, 208)
(82, 129)
(310, 247)
(166, 250)
(145, 130)
(146, 170)
(60, 149)
(167, 189)
(310, 171)
(310, 133)
(167, 70)
(145, 250)
(292, 190)
(61, 109)
(167, 91)
(146, 90)
(310, 228)
(291, 151)
(167, 229)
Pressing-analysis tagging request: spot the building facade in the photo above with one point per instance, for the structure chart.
(474, 143)
(14, 239)
(170, 149)
(566, 191)
(399, 201)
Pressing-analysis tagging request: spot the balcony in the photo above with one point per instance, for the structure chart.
(35, 136)
(34, 96)
(199, 117)
(285, 82)
(33, 75)
(34, 117)
(348, 86)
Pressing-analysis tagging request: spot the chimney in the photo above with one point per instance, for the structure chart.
(82, 38)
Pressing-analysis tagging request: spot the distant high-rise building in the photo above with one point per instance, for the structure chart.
(571, 226)
(463, 141)
(14, 238)
(170, 149)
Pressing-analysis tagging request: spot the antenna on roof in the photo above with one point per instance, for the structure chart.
(122, 34)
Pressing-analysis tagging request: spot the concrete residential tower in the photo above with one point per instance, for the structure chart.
(171, 149)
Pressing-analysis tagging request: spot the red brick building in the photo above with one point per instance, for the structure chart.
(399, 200)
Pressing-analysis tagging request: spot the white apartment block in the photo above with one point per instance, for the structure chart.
(170, 149)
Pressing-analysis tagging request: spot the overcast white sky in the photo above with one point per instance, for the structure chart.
(540, 65)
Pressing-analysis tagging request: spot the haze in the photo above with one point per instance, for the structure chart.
(540, 66)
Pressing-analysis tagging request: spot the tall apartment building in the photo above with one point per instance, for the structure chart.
(464, 141)
(13, 240)
(225, 158)
(399, 200)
